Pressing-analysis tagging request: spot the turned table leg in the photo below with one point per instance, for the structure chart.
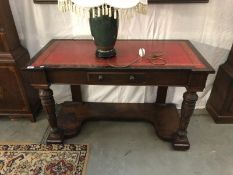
(47, 100)
(180, 141)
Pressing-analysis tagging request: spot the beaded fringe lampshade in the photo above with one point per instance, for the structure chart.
(104, 19)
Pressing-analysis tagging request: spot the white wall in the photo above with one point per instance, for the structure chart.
(209, 26)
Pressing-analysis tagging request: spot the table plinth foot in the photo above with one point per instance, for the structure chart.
(180, 142)
(55, 137)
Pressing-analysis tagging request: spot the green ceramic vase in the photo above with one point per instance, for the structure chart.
(104, 29)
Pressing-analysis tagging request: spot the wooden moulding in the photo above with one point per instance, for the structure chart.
(219, 119)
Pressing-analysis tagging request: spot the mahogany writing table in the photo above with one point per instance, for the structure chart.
(73, 62)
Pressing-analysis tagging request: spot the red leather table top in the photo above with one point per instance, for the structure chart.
(81, 53)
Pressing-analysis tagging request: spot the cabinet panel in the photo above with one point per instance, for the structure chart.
(11, 96)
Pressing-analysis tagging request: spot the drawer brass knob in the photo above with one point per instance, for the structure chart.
(131, 77)
(100, 77)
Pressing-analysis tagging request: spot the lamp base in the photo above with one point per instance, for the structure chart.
(105, 54)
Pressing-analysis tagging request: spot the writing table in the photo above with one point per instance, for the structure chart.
(74, 62)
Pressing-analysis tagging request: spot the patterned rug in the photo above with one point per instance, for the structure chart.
(38, 159)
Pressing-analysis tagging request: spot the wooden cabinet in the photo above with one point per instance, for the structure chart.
(17, 98)
(220, 103)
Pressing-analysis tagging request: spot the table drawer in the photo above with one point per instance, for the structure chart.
(115, 78)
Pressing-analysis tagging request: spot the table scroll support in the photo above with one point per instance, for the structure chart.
(47, 100)
(180, 141)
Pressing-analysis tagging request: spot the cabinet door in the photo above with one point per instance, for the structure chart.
(12, 97)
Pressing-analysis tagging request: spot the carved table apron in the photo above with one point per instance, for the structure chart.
(73, 62)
